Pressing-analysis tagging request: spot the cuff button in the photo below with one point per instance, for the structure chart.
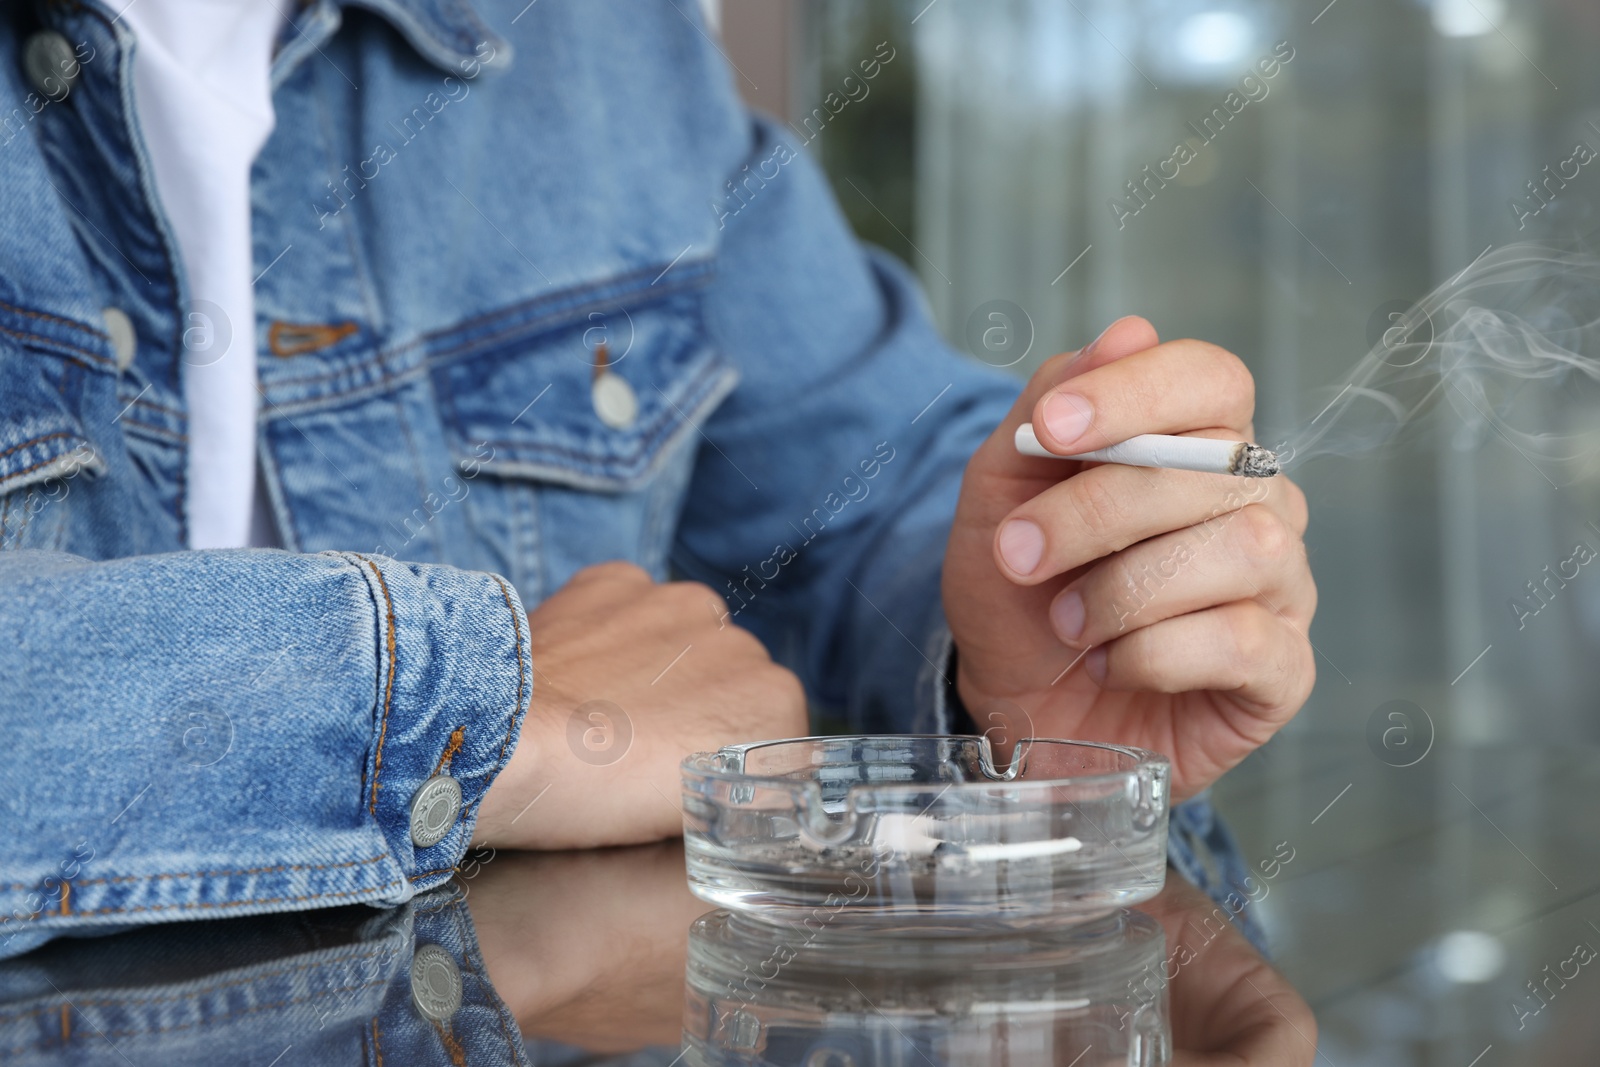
(435, 983)
(434, 809)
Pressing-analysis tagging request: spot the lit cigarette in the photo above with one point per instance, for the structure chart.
(1174, 453)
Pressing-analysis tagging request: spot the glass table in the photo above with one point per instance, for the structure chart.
(1428, 914)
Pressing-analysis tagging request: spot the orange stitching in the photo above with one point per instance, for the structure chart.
(564, 308)
(388, 691)
(47, 317)
(458, 1055)
(521, 675)
(34, 467)
(66, 1023)
(377, 1049)
(293, 339)
(212, 874)
(378, 362)
(38, 340)
(66, 897)
(240, 871)
(240, 903)
(34, 441)
(425, 874)
(450, 750)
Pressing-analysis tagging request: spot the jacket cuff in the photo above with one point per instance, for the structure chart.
(453, 683)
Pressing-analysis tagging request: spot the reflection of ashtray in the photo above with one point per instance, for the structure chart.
(762, 994)
(925, 831)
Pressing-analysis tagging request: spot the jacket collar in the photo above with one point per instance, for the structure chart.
(447, 33)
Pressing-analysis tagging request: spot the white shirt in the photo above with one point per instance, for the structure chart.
(203, 96)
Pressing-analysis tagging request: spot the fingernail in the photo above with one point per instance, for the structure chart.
(1067, 416)
(1021, 545)
(1095, 663)
(1067, 615)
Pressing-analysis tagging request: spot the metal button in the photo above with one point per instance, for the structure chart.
(123, 341)
(614, 401)
(434, 810)
(435, 983)
(50, 64)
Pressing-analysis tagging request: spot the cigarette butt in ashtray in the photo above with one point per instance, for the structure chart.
(918, 835)
(1240, 458)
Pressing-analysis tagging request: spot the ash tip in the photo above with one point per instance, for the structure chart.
(1253, 461)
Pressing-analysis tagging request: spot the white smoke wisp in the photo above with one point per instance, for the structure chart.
(1511, 345)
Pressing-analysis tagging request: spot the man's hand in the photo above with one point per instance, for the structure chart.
(630, 676)
(1162, 609)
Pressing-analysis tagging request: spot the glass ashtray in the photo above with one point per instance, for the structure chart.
(925, 831)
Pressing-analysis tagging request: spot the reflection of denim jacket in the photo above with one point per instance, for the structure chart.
(508, 323)
(403, 986)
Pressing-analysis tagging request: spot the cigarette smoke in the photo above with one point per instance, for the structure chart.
(1511, 344)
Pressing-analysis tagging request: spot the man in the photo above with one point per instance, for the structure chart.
(538, 317)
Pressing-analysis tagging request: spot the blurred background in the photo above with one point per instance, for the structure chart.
(995, 151)
(1006, 151)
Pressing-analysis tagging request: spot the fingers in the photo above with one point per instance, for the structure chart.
(1122, 338)
(1250, 554)
(1176, 387)
(1243, 649)
(1108, 507)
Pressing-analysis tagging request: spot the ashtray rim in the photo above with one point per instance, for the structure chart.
(703, 765)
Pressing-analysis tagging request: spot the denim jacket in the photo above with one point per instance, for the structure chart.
(534, 291)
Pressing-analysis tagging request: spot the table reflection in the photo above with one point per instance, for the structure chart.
(1092, 992)
(583, 957)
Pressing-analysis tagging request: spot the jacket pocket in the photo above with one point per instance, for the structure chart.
(530, 400)
(558, 480)
(43, 450)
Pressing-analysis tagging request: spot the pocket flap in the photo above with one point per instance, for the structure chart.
(527, 408)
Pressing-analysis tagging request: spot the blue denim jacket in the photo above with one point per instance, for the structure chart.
(464, 218)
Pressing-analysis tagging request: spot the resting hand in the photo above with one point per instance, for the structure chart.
(630, 676)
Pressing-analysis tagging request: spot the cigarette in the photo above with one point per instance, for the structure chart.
(1239, 458)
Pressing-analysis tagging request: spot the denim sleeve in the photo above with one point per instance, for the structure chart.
(822, 512)
(207, 734)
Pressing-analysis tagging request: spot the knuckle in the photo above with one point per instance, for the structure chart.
(1231, 373)
(1266, 536)
(1254, 636)
(1096, 506)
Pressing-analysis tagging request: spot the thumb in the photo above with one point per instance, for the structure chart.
(998, 455)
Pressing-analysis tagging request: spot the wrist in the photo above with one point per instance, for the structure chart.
(503, 816)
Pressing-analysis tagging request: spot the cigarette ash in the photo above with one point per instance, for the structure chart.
(1253, 461)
